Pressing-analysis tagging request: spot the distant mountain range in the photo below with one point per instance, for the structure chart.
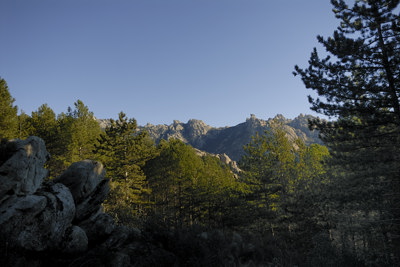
(229, 140)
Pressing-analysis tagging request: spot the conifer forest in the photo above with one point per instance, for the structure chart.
(292, 203)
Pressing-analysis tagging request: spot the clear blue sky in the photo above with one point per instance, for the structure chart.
(162, 60)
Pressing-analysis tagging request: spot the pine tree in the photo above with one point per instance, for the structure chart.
(172, 175)
(8, 113)
(217, 195)
(284, 176)
(43, 123)
(25, 128)
(124, 151)
(269, 163)
(359, 85)
(64, 136)
(83, 130)
(191, 189)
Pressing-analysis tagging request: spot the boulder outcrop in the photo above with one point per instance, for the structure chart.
(22, 172)
(53, 221)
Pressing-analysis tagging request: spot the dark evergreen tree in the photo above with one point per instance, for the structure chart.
(359, 86)
(171, 176)
(82, 130)
(63, 154)
(25, 127)
(44, 125)
(191, 189)
(283, 174)
(124, 151)
(214, 194)
(8, 113)
(269, 162)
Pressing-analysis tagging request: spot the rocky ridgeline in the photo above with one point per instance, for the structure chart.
(227, 140)
(230, 140)
(51, 221)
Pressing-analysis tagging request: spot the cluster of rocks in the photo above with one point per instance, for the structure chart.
(54, 221)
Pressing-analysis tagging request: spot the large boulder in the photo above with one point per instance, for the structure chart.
(38, 222)
(56, 222)
(23, 172)
(98, 227)
(40, 216)
(85, 180)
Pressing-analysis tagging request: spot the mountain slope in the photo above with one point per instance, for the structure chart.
(229, 140)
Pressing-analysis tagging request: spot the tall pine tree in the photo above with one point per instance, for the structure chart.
(124, 152)
(285, 176)
(43, 123)
(191, 189)
(359, 85)
(8, 113)
(83, 130)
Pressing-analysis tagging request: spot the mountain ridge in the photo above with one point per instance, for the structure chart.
(229, 140)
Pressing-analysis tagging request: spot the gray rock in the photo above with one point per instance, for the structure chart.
(92, 203)
(17, 211)
(85, 180)
(119, 237)
(75, 240)
(119, 259)
(98, 226)
(23, 172)
(37, 222)
(63, 215)
(82, 178)
(58, 215)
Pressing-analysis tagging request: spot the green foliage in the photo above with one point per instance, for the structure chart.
(358, 84)
(25, 128)
(274, 165)
(43, 123)
(171, 176)
(124, 152)
(84, 133)
(69, 137)
(188, 188)
(285, 176)
(8, 113)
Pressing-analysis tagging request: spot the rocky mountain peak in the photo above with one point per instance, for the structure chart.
(195, 128)
(281, 118)
(229, 140)
(253, 121)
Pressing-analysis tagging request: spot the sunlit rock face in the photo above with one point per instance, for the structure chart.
(22, 171)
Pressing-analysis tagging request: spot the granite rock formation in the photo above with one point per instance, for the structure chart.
(46, 222)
